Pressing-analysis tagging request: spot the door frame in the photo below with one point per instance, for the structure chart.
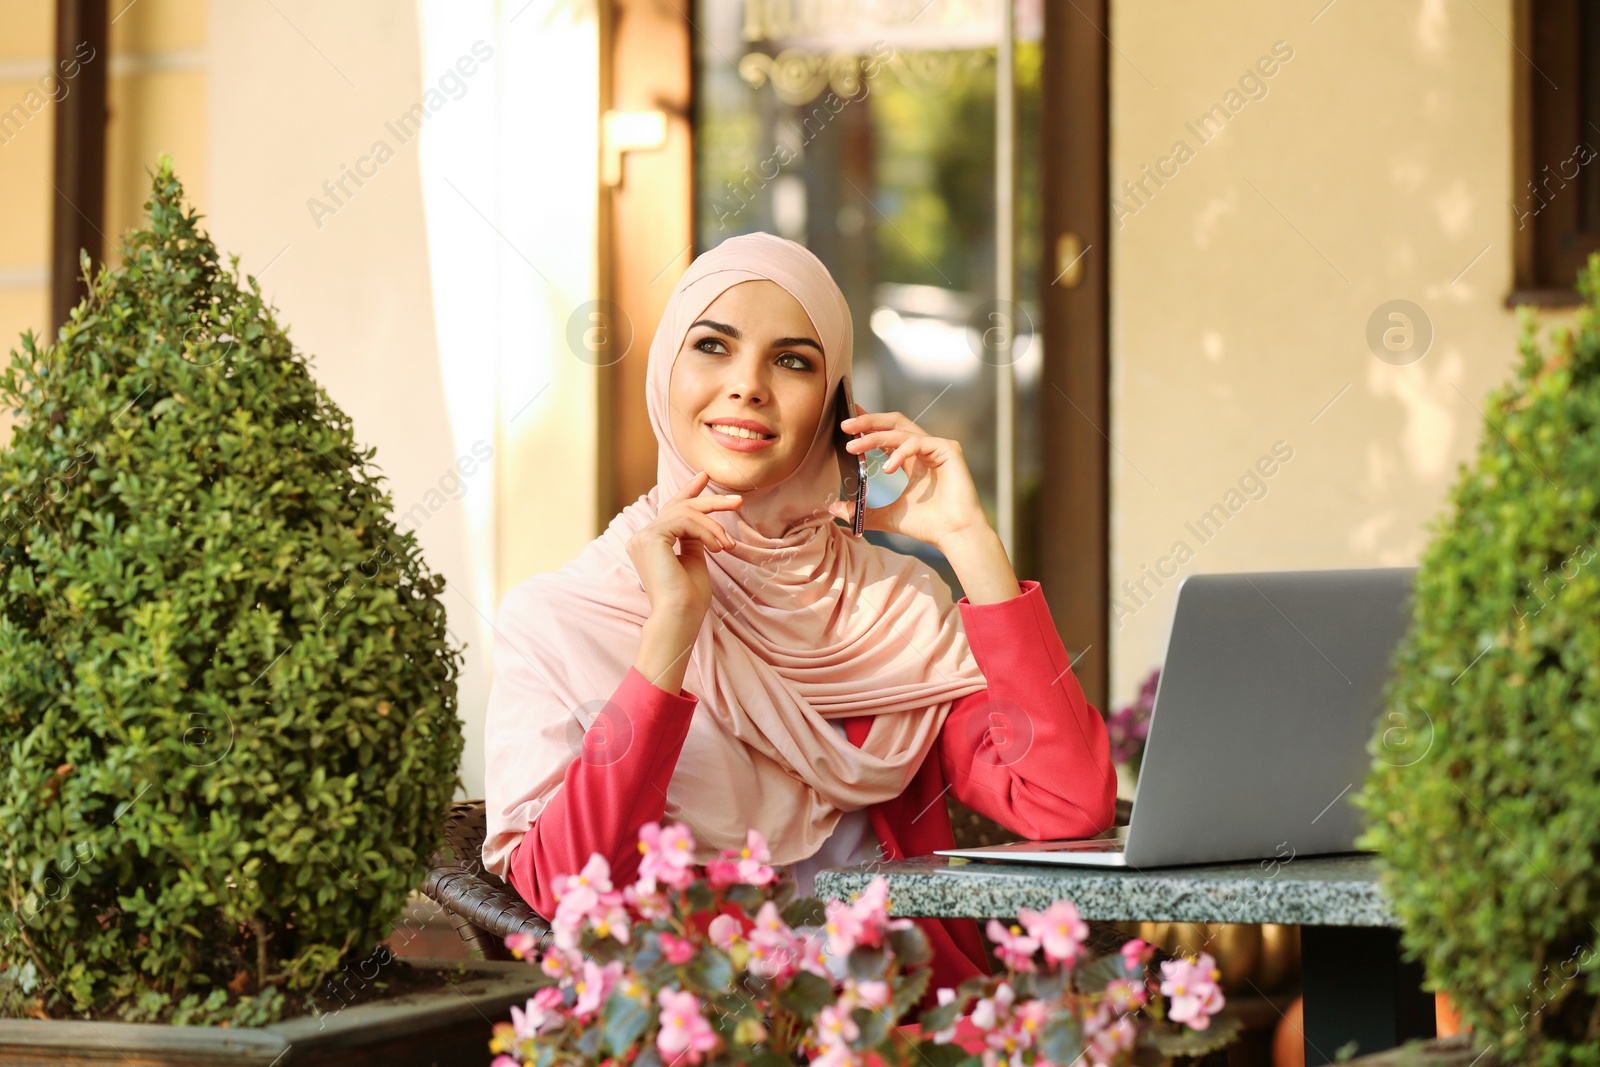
(1073, 517)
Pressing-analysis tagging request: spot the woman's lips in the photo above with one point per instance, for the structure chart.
(739, 444)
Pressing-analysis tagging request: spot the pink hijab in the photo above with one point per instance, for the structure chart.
(807, 627)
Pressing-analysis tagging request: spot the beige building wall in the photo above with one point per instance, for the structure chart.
(301, 94)
(1373, 164)
(297, 90)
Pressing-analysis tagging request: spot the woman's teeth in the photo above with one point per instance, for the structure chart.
(740, 431)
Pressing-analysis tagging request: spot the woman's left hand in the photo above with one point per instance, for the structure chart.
(940, 498)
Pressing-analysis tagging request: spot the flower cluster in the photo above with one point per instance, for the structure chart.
(723, 964)
(1129, 726)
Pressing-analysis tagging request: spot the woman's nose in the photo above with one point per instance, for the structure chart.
(748, 381)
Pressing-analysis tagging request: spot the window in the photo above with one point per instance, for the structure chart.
(1555, 205)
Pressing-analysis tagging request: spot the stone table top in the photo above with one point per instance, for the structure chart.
(1339, 890)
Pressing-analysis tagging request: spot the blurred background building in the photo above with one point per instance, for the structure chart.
(1264, 252)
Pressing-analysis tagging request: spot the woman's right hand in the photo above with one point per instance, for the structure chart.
(678, 584)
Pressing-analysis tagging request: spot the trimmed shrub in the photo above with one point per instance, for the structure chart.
(227, 697)
(1484, 794)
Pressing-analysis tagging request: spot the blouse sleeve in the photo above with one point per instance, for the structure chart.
(616, 785)
(1030, 751)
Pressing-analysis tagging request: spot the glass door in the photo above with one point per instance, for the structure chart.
(866, 130)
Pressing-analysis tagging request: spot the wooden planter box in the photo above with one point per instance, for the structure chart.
(446, 1027)
(1442, 1052)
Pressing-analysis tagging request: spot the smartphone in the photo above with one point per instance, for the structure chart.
(852, 466)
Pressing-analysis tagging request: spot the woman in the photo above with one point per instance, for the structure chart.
(728, 656)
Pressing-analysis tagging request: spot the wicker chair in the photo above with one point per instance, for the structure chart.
(485, 908)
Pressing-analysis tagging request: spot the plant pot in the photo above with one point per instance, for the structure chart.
(447, 1026)
(1458, 1051)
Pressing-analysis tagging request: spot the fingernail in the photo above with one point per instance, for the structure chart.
(732, 496)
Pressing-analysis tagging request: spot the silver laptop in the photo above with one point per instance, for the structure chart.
(1270, 690)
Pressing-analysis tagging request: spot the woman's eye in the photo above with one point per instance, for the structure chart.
(800, 362)
(704, 341)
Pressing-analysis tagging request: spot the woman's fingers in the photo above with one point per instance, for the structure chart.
(686, 513)
(690, 488)
(909, 447)
(869, 421)
(884, 439)
(702, 527)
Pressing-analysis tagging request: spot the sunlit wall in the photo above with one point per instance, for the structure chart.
(1373, 163)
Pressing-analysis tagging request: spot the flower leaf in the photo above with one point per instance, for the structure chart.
(1095, 975)
(589, 1043)
(1185, 1042)
(699, 896)
(873, 1026)
(911, 990)
(868, 964)
(711, 971)
(951, 1055)
(805, 911)
(748, 897)
(1062, 1039)
(806, 995)
(943, 1016)
(911, 946)
(623, 1019)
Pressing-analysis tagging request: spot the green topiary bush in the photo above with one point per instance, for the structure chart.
(227, 697)
(1484, 794)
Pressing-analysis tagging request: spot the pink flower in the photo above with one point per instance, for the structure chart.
(1027, 1023)
(751, 861)
(837, 1054)
(1107, 1041)
(834, 1032)
(581, 891)
(1013, 946)
(560, 962)
(668, 854)
(774, 953)
(1192, 991)
(684, 1031)
(594, 986)
(843, 926)
(874, 995)
(1124, 996)
(646, 898)
(578, 896)
(521, 944)
(811, 948)
(1135, 954)
(542, 1013)
(863, 922)
(1058, 929)
(725, 932)
(676, 950)
(503, 1060)
(990, 1012)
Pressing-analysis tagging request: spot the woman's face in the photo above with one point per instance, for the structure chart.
(753, 355)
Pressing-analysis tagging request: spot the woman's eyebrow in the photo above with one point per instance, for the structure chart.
(790, 342)
(720, 327)
(733, 332)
